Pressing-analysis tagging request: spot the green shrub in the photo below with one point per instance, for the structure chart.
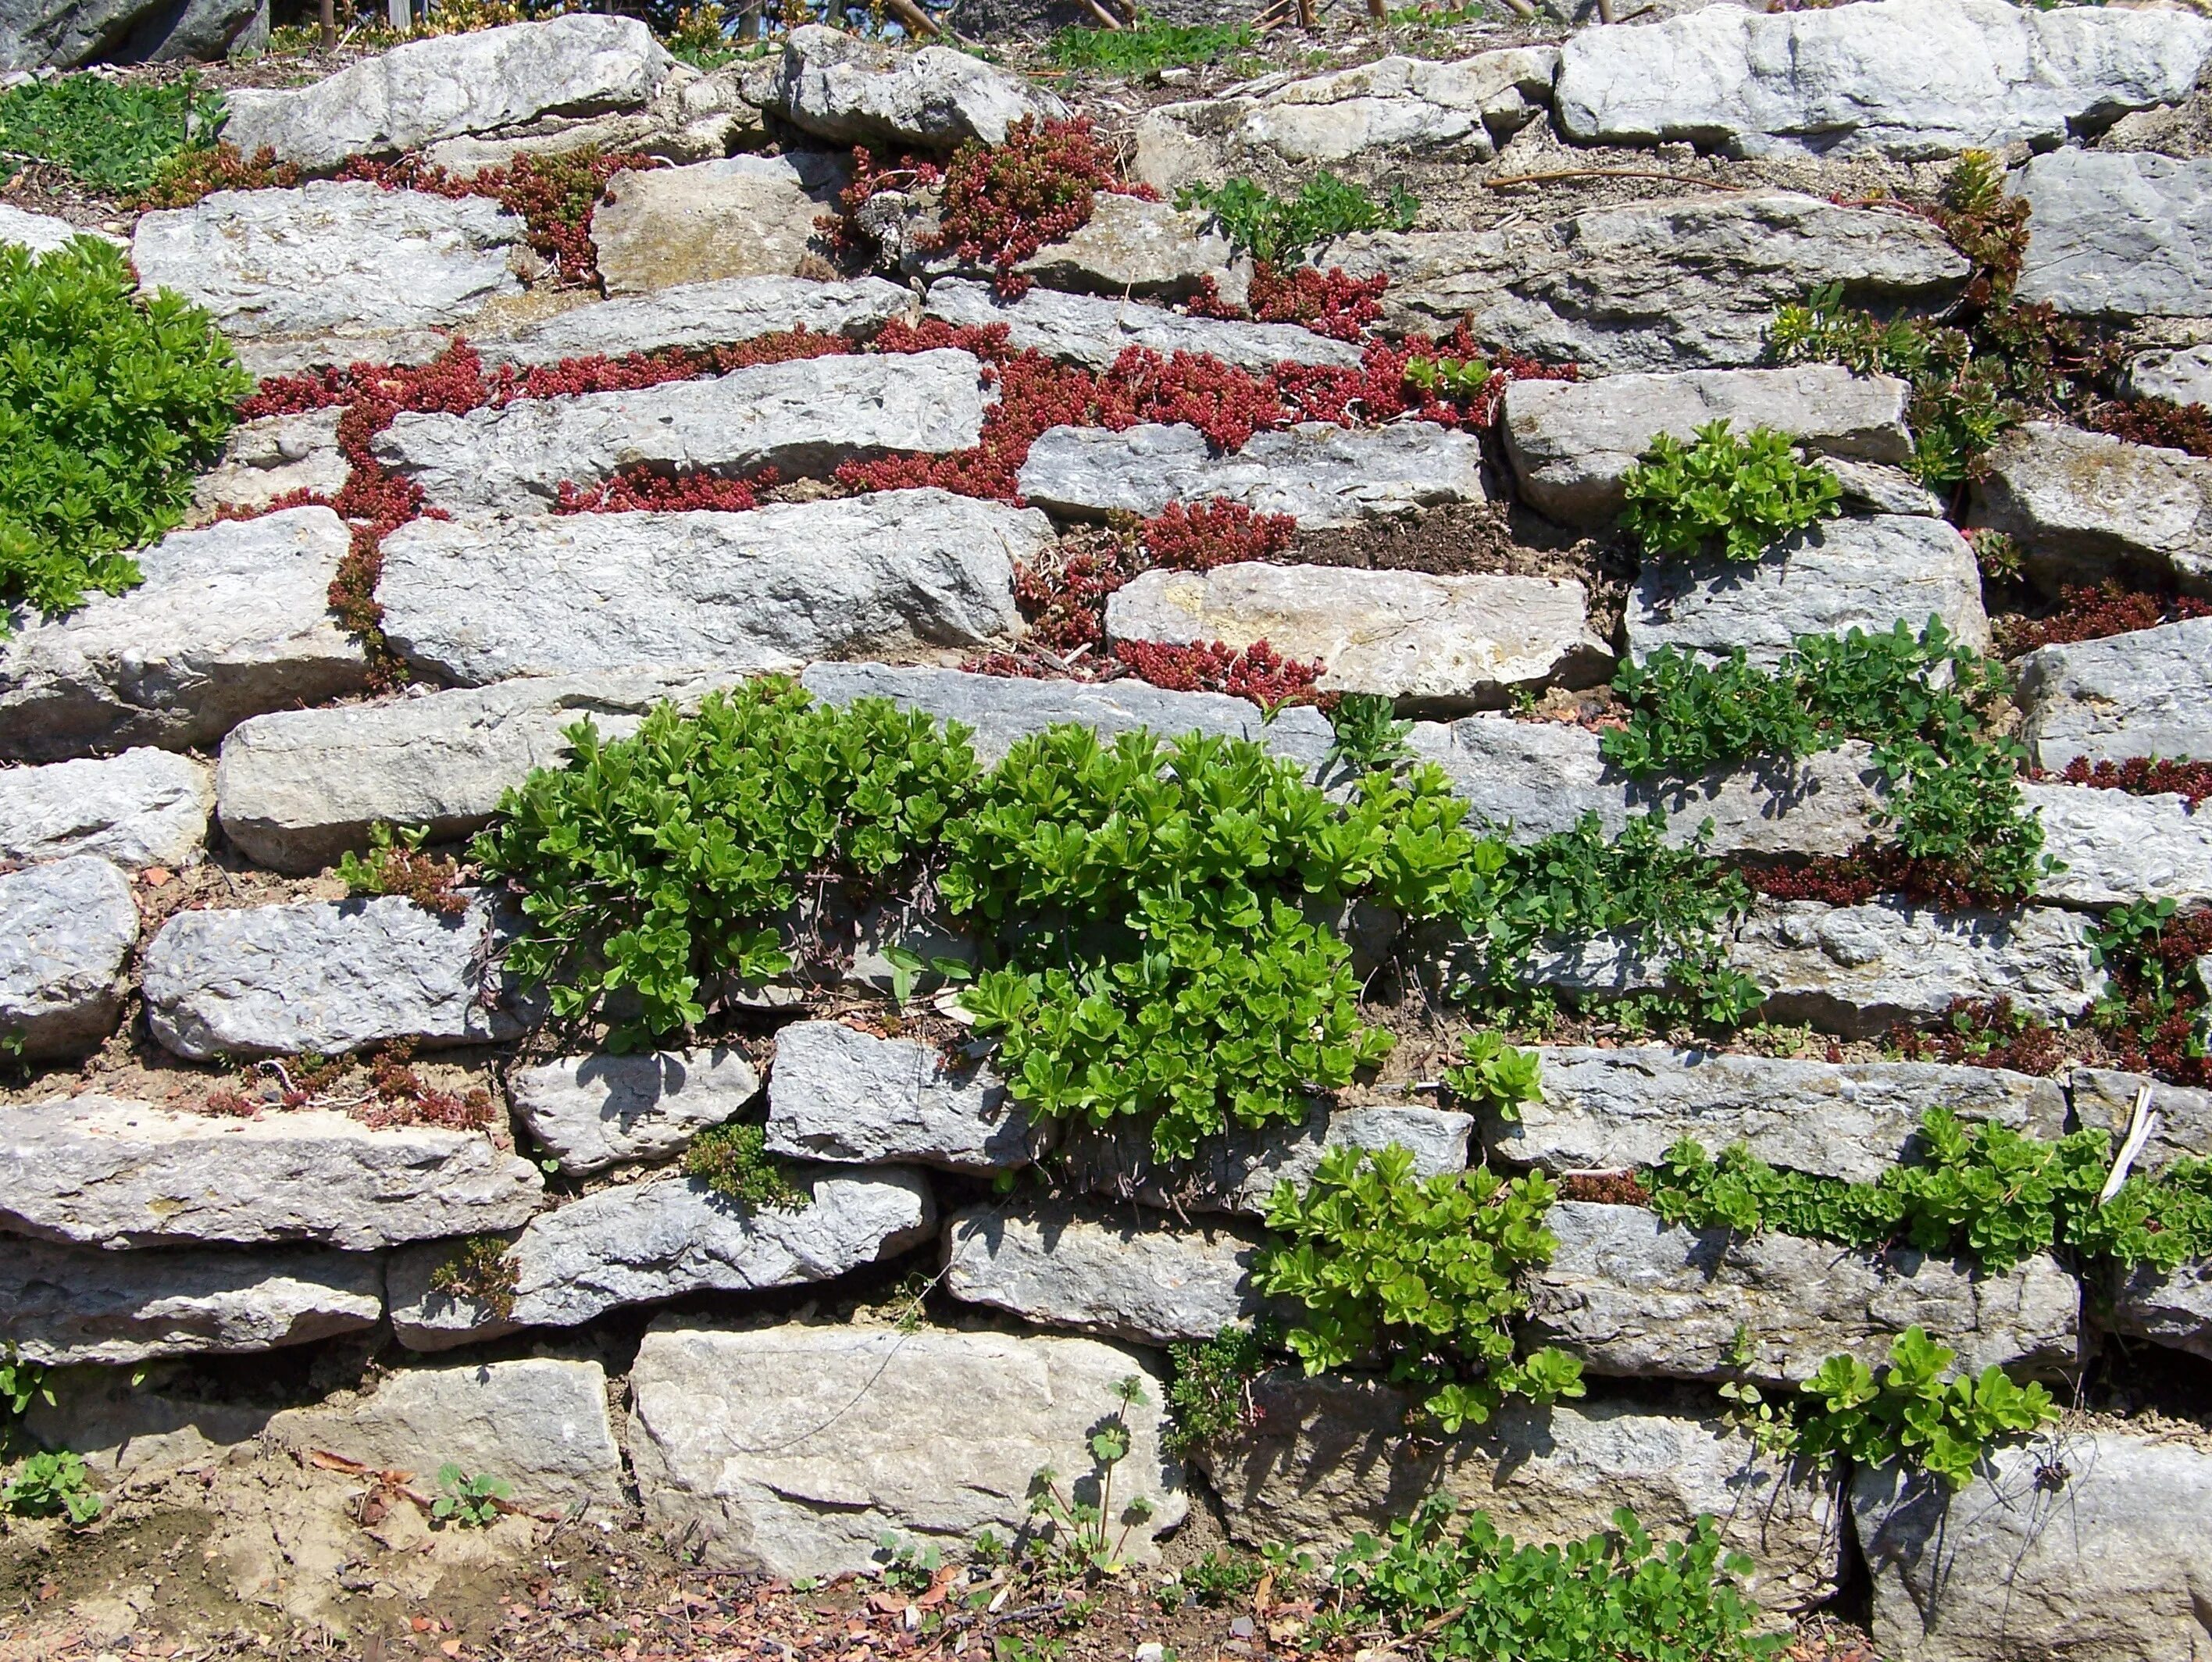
(111, 136)
(1148, 45)
(1419, 1271)
(1913, 1412)
(1210, 1397)
(1738, 496)
(733, 1160)
(107, 405)
(1278, 229)
(1469, 1593)
(50, 1485)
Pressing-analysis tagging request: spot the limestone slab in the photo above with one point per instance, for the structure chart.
(143, 808)
(1449, 642)
(39, 233)
(2181, 1118)
(2173, 1307)
(1317, 472)
(835, 1093)
(2118, 848)
(1132, 246)
(66, 931)
(593, 1112)
(839, 87)
(2115, 233)
(695, 316)
(2181, 375)
(2085, 506)
(2148, 692)
(1093, 330)
(230, 621)
(791, 1449)
(737, 217)
(772, 589)
(104, 1172)
(273, 457)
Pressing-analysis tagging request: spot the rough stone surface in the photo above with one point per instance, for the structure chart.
(768, 590)
(693, 117)
(231, 620)
(836, 1093)
(1449, 641)
(1236, 1172)
(326, 976)
(2181, 375)
(791, 1449)
(740, 216)
(2118, 848)
(1318, 473)
(143, 808)
(540, 1424)
(2107, 1566)
(2181, 1124)
(102, 1171)
(2084, 504)
(1913, 79)
(640, 1242)
(851, 91)
(1572, 442)
(273, 457)
(1630, 1294)
(330, 273)
(63, 34)
(75, 1304)
(1538, 778)
(1838, 575)
(2144, 694)
(801, 418)
(2173, 1307)
(1610, 1110)
(1686, 283)
(594, 1112)
(1093, 330)
(39, 233)
(1440, 111)
(1132, 246)
(1857, 969)
(1105, 1270)
(297, 788)
(700, 315)
(2117, 234)
(451, 85)
(1330, 1458)
(66, 931)
(999, 712)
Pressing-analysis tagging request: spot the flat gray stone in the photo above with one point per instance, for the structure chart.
(1000, 711)
(1608, 1110)
(2082, 504)
(39, 233)
(1238, 1171)
(231, 620)
(274, 457)
(739, 217)
(2104, 1564)
(1094, 331)
(1331, 1458)
(2145, 693)
(1535, 779)
(451, 85)
(1104, 1271)
(835, 1093)
(1318, 473)
(641, 1242)
(297, 788)
(327, 976)
(850, 91)
(1684, 282)
(2181, 1124)
(594, 1112)
(802, 418)
(538, 1424)
(75, 1304)
(1834, 577)
(2173, 1307)
(772, 589)
(1628, 1294)
(143, 808)
(2181, 375)
(691, 117)
(99, 1171)
(791, 1449)
(1857, 969)
(1439, 641)
(1132, 246)
(66, 931)
(330, 273)
(1571, 443)
(698, 315)
(2115, 233)
(1913, 79)
(2118, 848)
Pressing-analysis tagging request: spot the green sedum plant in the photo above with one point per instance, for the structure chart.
(108, 402)
(1494, 1077)
(1736, 496)
(733, 1160)
(50, 1485)
(1419, 1273)
(1210, 1395)
(1280, 229)
(1914, 1412)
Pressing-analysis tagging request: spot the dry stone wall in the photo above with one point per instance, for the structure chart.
(189, 760)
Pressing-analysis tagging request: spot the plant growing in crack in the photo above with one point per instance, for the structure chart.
(1081, 1531)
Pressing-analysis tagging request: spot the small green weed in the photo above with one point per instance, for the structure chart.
(1450, 378)
(908, 1567)
(1080, 1533)
(111, 136)
(1219, 1577)
(733, 1160)
(1914, 1413)
(1368, 734)
(1738, 496)
(50, 1485)
(465, 1501)
(1278, 229)
(1210, 1398)
(1148, 45)
(479, 1269)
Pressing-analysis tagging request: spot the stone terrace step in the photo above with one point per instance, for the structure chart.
(773, 589)
(1094, 331)
(802, 418)
(698, 315)
(2144, 694)
(66, 931)
(143, 808)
